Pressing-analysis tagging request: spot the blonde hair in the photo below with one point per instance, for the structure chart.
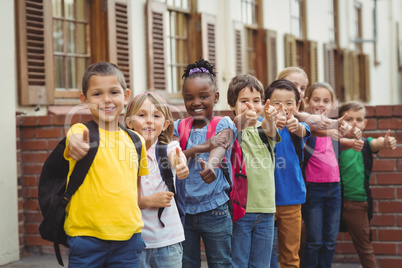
(290, 70)
(160, 104)
(314, 86)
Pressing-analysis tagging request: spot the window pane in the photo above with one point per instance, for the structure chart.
(59, 72)
(71, 37)
(56, 5)
(82, 64)
(72, 73)
(58, 38)
(69, 9)
(81, 38)
(81, 9)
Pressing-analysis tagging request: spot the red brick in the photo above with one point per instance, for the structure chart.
(44, 120)
(389, 178)
(371, 124)
(20, 205)
(384, 165)
(345, 247)
(398, 137)
(383, 220)
(32, 169)
(372, 134)
(33, 216)
(398, 110)
(399, 193)
(389, 123)
(48, 132)
(28, 132)
(52, 144)
(31, 204)
(388, 152)
(41, 157)
(36, 240)
(383, 111)
(400, 164)
(31, 192)
(384, 248)
(383, 193)
(19, 156)
(388, 263)
(399, 220)
(29, 145)
(370, 111)
(31, 180)
(390, 235)
(32, 228)
(59, 120)
(390, 207)
(28, 157)
(28, 121)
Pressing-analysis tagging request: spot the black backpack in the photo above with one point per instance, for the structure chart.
(53, 196)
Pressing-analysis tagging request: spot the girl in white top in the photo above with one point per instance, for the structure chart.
(149, 115)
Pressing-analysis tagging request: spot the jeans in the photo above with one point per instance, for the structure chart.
(86, 251)
(274, 256)
(252, 240)
(166, 257)
(215, 229)
(321, 214)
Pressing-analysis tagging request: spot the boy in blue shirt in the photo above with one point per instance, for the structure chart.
(290, 189)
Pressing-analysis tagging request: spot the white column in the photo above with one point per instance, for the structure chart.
(9, 246)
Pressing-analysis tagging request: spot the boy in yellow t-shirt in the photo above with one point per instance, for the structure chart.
(103, 219)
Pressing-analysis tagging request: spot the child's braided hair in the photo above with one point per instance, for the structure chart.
(200, 68)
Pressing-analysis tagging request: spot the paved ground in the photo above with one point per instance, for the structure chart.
(49, 261)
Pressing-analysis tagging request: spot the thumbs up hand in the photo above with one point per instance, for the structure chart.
(354, 132)
(180, 165)
(281, 119)
(251, 115)
(78, 145)
(389, 142)
(270, 112)
(292, 123)
(207, 174)
(358, 145)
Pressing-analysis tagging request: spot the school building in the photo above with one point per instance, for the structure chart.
(45, 47)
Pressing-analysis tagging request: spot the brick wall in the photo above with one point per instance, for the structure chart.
(37, 136)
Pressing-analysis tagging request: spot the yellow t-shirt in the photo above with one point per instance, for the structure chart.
(105, 206)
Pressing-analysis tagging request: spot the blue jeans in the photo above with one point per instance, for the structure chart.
(166, 257)
(321, 214)
(274, 257)
(86, 251)
(252, 240)
(215, 229)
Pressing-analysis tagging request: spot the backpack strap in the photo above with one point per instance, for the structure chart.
(82, 166)
(137, 142)
(165, 171)
(298, 147)
(184, 130)
(264, 139)
(368, 167)
(79, 173)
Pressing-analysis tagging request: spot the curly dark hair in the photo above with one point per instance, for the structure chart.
(206, 69)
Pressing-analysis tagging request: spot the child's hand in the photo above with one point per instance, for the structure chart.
(180, 165)
(270, 111)
(291, 122)
(358, 145)
(251, 115)
(207, 174)
(389, 142)
(335, 134)
(343, 128)
(354, 132)
(281, 118)
(162, 199)
(78, 145)
(217, 141)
